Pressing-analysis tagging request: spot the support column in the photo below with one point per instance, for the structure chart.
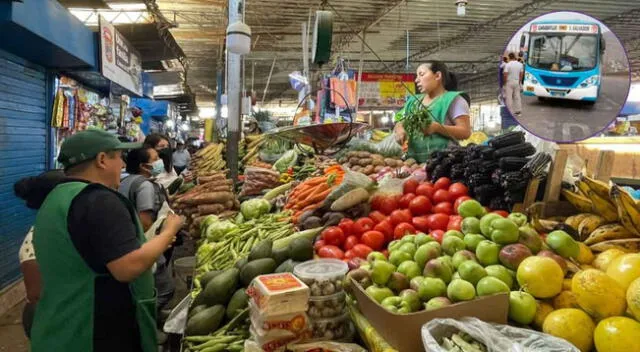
(234, 122)
(219, 91)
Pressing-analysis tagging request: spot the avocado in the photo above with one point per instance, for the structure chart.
(286, 267)
(238, 302)
(206, 321)
(261, 250)
(208, 276)
(220, 288)
(301, 249)
(256, 268)
(197, 309)
(280, 255)
(240, 263)
(175, 186)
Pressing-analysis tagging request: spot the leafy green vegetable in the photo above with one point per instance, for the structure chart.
(288, 159)
(217, 230)
(254, 208)
(416, 121)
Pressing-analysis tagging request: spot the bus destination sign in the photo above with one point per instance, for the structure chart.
(565, 28)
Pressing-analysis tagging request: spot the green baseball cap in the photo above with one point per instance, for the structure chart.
(86, 145)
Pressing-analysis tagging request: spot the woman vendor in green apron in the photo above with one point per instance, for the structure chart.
(449, 111)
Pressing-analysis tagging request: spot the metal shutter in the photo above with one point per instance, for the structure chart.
(23, 152)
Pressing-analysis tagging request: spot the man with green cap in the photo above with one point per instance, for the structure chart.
(98, 290)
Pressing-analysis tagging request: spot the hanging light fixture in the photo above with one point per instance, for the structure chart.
(239, 38)
(461, 5)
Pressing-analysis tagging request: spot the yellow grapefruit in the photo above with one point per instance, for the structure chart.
(633, 298)
(624, 269)
(598, 294)
(540, 276)
(617, 334)
(572, 325)
(566, 299)
(603, 259)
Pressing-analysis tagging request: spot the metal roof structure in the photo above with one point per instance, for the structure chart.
(426, 29)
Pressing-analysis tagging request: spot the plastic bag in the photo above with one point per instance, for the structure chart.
(326, 346)
(389, 185)
(389, 147)
(496, 337)
(177, 320)
(351, 181)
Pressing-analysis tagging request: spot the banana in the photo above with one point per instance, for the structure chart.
(631, 245)
(589, 224)
(626, 217)
(575, 220)
(600, 188)
(632, 207)
(603, 207)
(583, 187)
(608, 232)
(583, 204)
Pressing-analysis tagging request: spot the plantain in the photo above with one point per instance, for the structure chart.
(608, 232)
(574, 220)
(629, 245)
(601, 206)
(589, 224)
(600, 188)
(632, 208)
(583, 204)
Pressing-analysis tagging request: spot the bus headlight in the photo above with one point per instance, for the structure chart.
(591, 81)
(529, 77)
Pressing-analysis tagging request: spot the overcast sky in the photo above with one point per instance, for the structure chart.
(514, 44)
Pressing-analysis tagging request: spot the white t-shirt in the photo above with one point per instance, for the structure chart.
(513, 70)
(459, 107)
(27, 252)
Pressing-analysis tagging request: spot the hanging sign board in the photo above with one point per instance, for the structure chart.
(565, 28)
(119, 61)
(385, 90)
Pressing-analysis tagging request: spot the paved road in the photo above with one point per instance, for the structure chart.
(565, 120)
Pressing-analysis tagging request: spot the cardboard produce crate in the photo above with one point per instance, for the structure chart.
(402, 331)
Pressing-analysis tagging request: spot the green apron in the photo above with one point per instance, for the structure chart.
(65, 313)
(421, 146)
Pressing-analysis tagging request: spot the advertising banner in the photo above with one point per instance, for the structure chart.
(385, 90)
(119, 61)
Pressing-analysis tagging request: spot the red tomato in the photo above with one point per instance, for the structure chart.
(438, 221)
(400, 216)
(443, 208)
(421, 223)
(437, 235)
(386, 228)
(458, 190)
(333, 235)
(442, 183)
(377, 216)
(362, 251)
(410, 186)
(459, 201)
(385, 252)
(406, 200)
(346, 225)
(375, 202)
(348, 255)
(387, 204)
(455, 223)
(402, 230)
(420, 205)
(350, 242)
(502, 213)
(441, 195)
(318, 244)
(374, 239)
(362, 225)
(425, 189)
(330, 252)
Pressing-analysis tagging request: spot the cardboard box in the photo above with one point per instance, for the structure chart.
(403, 331)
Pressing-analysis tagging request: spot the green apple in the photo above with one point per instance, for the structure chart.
(398, 257)
(422, 238)
(448, 260)
(453, 233)
(452, 244)
(519, 218)
(398, 282)
(471, 240)
(462, 256)
(501, 273)
(530, 238)
(410, 269)
(381, 272)
(437, 303)
(373, 256)
(410, 300)
(563, 244)
(392, 303)
(461, 290)
(456, 275)
(471, 208)
(504, 231)
(432, 287)
(379, 293)
(438, 268)
(490, 286)
(522, 307)
(471, 271)
(488, 253)
(408, 248)
(414, 284)
(393, 245)
(485, 224)
(408, 239)
(426, 252)
(470, 225)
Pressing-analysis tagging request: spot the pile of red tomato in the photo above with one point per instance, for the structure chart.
(423, 207)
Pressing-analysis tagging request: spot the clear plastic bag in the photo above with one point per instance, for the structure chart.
(326, 346)
(389, 147)
(351, 181)
(496, 337)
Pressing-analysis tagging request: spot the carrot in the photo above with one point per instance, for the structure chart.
(304, 195)
(316, 198)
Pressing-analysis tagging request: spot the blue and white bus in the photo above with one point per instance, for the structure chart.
(563, 60)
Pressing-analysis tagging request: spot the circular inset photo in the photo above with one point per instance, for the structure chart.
(564, 76)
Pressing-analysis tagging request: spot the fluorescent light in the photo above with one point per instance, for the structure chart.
(128, 7)
(169, 124)
(207, 113)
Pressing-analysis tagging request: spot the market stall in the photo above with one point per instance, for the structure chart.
(314, 251)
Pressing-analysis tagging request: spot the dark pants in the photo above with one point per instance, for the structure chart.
(28, 314)
(179, 169)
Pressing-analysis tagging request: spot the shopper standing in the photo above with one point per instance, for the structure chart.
(181, 158)
(97, 287)
(512, 76)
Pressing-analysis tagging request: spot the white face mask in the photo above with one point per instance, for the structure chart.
(157, 167)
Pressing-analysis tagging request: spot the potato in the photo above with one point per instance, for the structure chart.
(342, 160)
(347, 165)
(356, 168)
(377, 162)
(377, 157)
(354, 161)
(390, 162)
(364, 155)
(378, 168)
(368, 170)
(399, 163)
(365, 162)
(410, 162)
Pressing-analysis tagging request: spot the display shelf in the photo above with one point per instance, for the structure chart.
(320, 136)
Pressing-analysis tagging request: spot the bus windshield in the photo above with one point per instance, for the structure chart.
(563, 52)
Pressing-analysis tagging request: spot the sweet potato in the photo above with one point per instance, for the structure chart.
(207, 209)
(210, 198)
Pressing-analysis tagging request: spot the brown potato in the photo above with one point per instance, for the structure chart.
(368, 170)
(377, 162)
(378, 168)
(390, 162)
(365, 162)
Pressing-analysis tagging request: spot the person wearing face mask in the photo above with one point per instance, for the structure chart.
(449, 109)
(150, 200)
(161, 144)
(94, 260)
